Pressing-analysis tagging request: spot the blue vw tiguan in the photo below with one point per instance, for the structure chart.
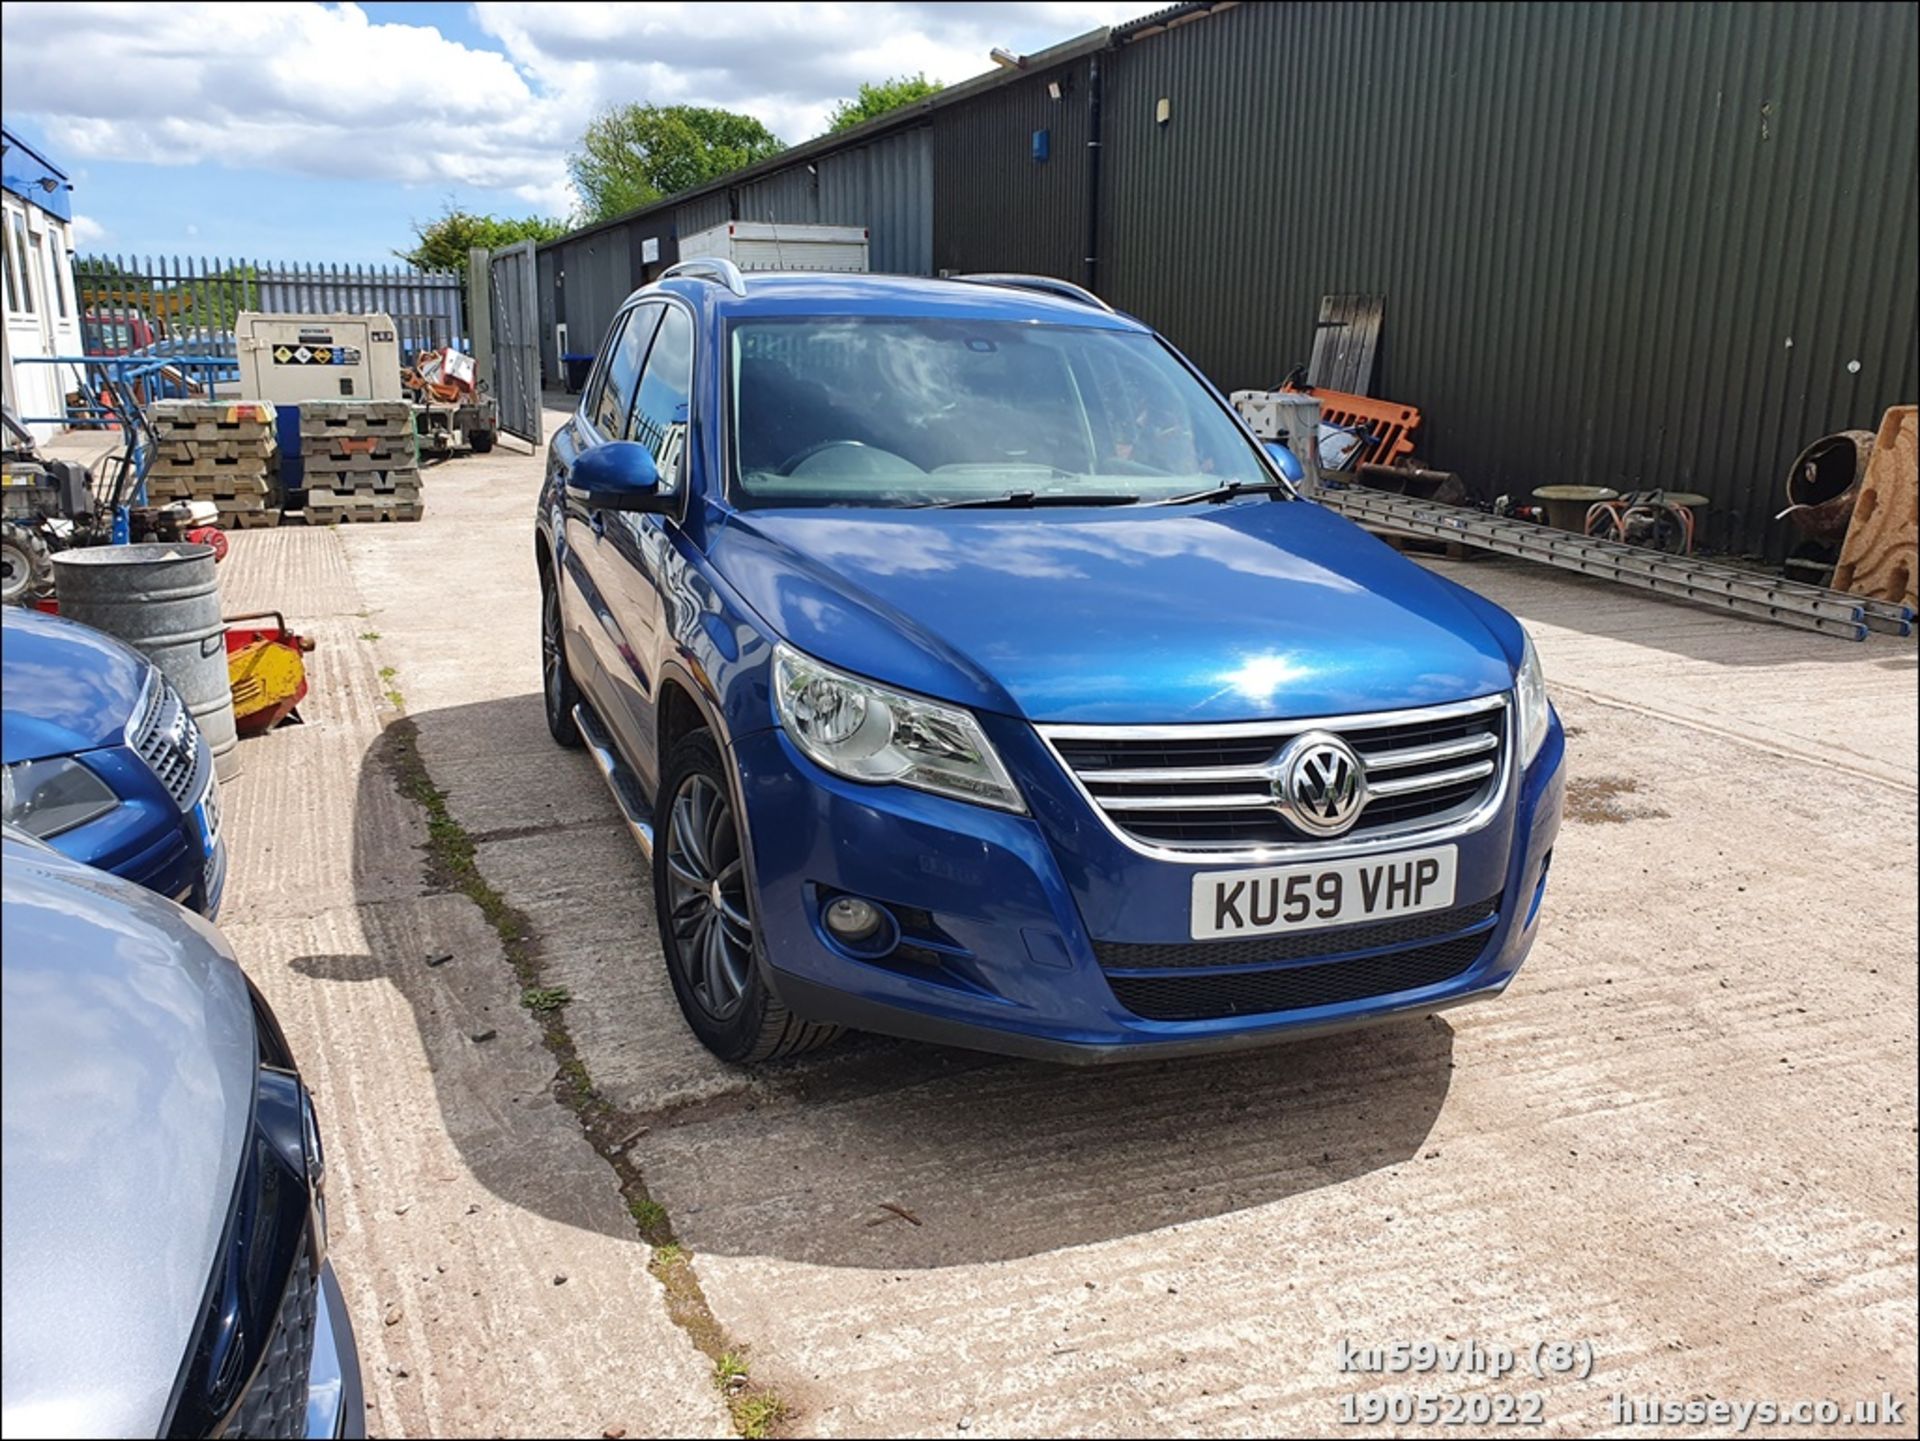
(970, 673)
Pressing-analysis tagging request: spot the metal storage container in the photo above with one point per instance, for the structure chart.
(164, 600)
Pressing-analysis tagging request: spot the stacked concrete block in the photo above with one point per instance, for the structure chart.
(217, 450)
(361, 461)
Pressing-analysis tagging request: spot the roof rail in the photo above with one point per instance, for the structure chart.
(1065, 289)
(713, 268)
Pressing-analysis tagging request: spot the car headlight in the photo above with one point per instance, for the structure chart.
(1530, 701)
(868, 732)
(47, 797)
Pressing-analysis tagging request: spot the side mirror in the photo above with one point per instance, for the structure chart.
(619, 475)
(1288, 462)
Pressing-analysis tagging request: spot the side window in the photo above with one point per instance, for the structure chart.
(660, 411)
(624, 354)
(597, 378)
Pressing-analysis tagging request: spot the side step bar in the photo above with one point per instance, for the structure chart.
(621, 781)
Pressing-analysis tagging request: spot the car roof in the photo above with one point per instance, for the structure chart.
(784, 293)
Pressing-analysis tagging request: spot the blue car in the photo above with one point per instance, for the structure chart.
(972, 674)
(103, 761)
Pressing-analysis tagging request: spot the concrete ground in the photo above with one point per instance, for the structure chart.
(1684, 1140)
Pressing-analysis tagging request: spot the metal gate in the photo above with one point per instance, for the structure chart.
(514, 303)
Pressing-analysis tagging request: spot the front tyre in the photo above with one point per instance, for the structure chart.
(707, 915)
(556, 680)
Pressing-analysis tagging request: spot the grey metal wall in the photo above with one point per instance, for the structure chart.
(1627, 245)
(885, 185)
(994, 206)
(591, 275)
(703, 212)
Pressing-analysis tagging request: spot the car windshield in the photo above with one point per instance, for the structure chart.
(926, 411)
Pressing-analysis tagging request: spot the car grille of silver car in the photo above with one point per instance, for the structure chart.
(1210, 788)
(276, 1401)
(164, 735)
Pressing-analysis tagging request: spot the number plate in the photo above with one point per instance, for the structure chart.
(1271, 899)
(206, 815)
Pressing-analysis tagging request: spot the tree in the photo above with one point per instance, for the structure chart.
(443, 243)
(633, 155)
(874, 100)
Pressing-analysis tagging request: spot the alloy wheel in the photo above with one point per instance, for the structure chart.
(707, 897)
(550, 647)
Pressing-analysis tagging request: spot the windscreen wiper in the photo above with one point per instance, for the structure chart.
(1228, 492)
(1026, 500)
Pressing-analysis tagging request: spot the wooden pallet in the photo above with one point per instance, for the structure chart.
(326, 496)
(212, 418)
(194, 487)
(360, 512)
(1878, 558)
(261, 519)
(324, 419)
(213, 465)
(393, 462)
(365, 480)
(359, 452)
(227, 448)
(217, 482)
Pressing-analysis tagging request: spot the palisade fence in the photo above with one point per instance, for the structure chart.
(185, 306)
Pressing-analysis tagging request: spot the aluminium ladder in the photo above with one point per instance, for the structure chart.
(1724, 587)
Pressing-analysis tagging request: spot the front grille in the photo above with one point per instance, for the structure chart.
(166, 738)
(1212, 789)
(1274, 949)
(1294, 988)
(275, 1404)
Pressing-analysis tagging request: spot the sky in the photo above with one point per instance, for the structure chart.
(321, 132)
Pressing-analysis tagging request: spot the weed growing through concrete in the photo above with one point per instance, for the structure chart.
(542, 1000)
(729, 1369)
(755, 1416)
(451, 867)
(649, 1216)
(369, 635)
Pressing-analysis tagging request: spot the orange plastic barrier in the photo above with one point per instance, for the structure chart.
(1388, 424)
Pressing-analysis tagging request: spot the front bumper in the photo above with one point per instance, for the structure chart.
(148, 839)
(1000, 915)
(336, 1403)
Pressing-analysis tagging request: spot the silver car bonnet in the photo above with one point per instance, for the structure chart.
(129, 1076)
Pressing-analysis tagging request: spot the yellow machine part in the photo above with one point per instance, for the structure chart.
(263, 675)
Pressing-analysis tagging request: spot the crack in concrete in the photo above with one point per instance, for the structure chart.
(451, 867)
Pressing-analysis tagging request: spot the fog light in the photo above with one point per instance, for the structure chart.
(852, 919)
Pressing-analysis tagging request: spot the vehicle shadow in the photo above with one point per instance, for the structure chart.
(877, 1152)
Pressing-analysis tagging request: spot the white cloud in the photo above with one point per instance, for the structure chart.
(328, 92)
(88, 231)
(786, 64)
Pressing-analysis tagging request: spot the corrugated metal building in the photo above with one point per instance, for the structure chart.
(1632, 245)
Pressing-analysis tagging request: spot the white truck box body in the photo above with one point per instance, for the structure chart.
(766, 245)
